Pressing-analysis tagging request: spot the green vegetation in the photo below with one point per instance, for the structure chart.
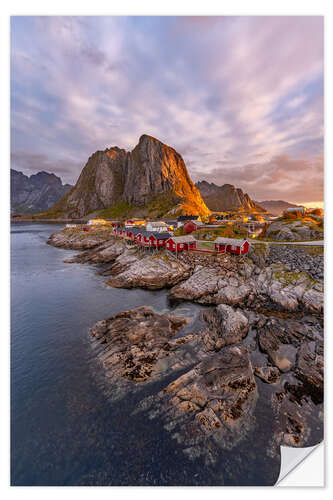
(121, 209)
(226, 231)
(179, 231)
(290, 278)
(207, 244)
(161, 204)
(157, 207)
(315, 250)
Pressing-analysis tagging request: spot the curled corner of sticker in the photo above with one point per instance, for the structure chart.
(291, 458)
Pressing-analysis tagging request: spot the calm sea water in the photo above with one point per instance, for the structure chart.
(65, 430)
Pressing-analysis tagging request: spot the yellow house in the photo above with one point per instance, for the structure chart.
(99, 222)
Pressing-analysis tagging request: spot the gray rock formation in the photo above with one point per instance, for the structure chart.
(226, 197)
(151, 272)
(275, 207)
(74, 239)
(30, 195)
(269, 374)
(225, 326)
(135, 341)
(152, 178)
(293, 231)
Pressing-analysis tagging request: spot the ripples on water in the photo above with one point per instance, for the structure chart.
(65, 430)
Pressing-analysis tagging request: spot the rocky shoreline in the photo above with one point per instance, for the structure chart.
(263, 331)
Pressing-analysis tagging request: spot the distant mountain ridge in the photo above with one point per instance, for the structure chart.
(276, 207)
(227, 198)
(152, 180)
(30, 195)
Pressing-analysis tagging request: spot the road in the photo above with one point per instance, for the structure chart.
(311, 243)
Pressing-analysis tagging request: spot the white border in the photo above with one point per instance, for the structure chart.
(143, 7)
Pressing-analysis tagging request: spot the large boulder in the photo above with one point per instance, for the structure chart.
(102, 254)
(200, 286)
(152, 272)
(288, 230)
(215, 400)
(75, 239)
(225, 326)
(268, 374)
(233, 295)
(280, 338)
(135, 341)
(310, 370)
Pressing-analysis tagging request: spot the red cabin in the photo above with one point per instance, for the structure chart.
(158, 240)
(181, 243)
(189, 227)
(137, 238)
(231, 245)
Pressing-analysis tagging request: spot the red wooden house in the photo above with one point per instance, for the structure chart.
(158, 240)
(119, 231)
(137, 238)
(231, 245)
(192, 225)
(181, 243)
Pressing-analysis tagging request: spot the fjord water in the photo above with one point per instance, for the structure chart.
(65, 429)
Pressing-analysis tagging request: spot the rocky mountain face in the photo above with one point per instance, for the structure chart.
(150, 180)
(226, 197)
(35, 193)
(275, 207)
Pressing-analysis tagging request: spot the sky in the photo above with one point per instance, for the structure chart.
(240, 98)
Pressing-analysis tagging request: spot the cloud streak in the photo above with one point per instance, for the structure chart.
(226, 92)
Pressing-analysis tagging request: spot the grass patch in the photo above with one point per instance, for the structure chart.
(121, 209)
(317, 250)
(290, 278)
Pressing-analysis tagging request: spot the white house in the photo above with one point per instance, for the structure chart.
(295, 209)
(158, 226)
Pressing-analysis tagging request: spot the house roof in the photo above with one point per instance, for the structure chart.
(135, 230)
(156, 234)
(183, 239)
(187, 217)
(295, 209)
(157, 224)
(230, 241)
(196, 222)
(161, 236)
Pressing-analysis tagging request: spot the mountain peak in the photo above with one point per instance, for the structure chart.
(226, 197)
(146, 137)
(152, 179)
(35, 193)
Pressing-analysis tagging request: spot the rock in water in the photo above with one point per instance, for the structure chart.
(310, 369)
(212, 403)
(135, 341)
(225, 326)
(74, 239)
(152, 178)
(280, 339)
(269, 374)
(151, 272)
